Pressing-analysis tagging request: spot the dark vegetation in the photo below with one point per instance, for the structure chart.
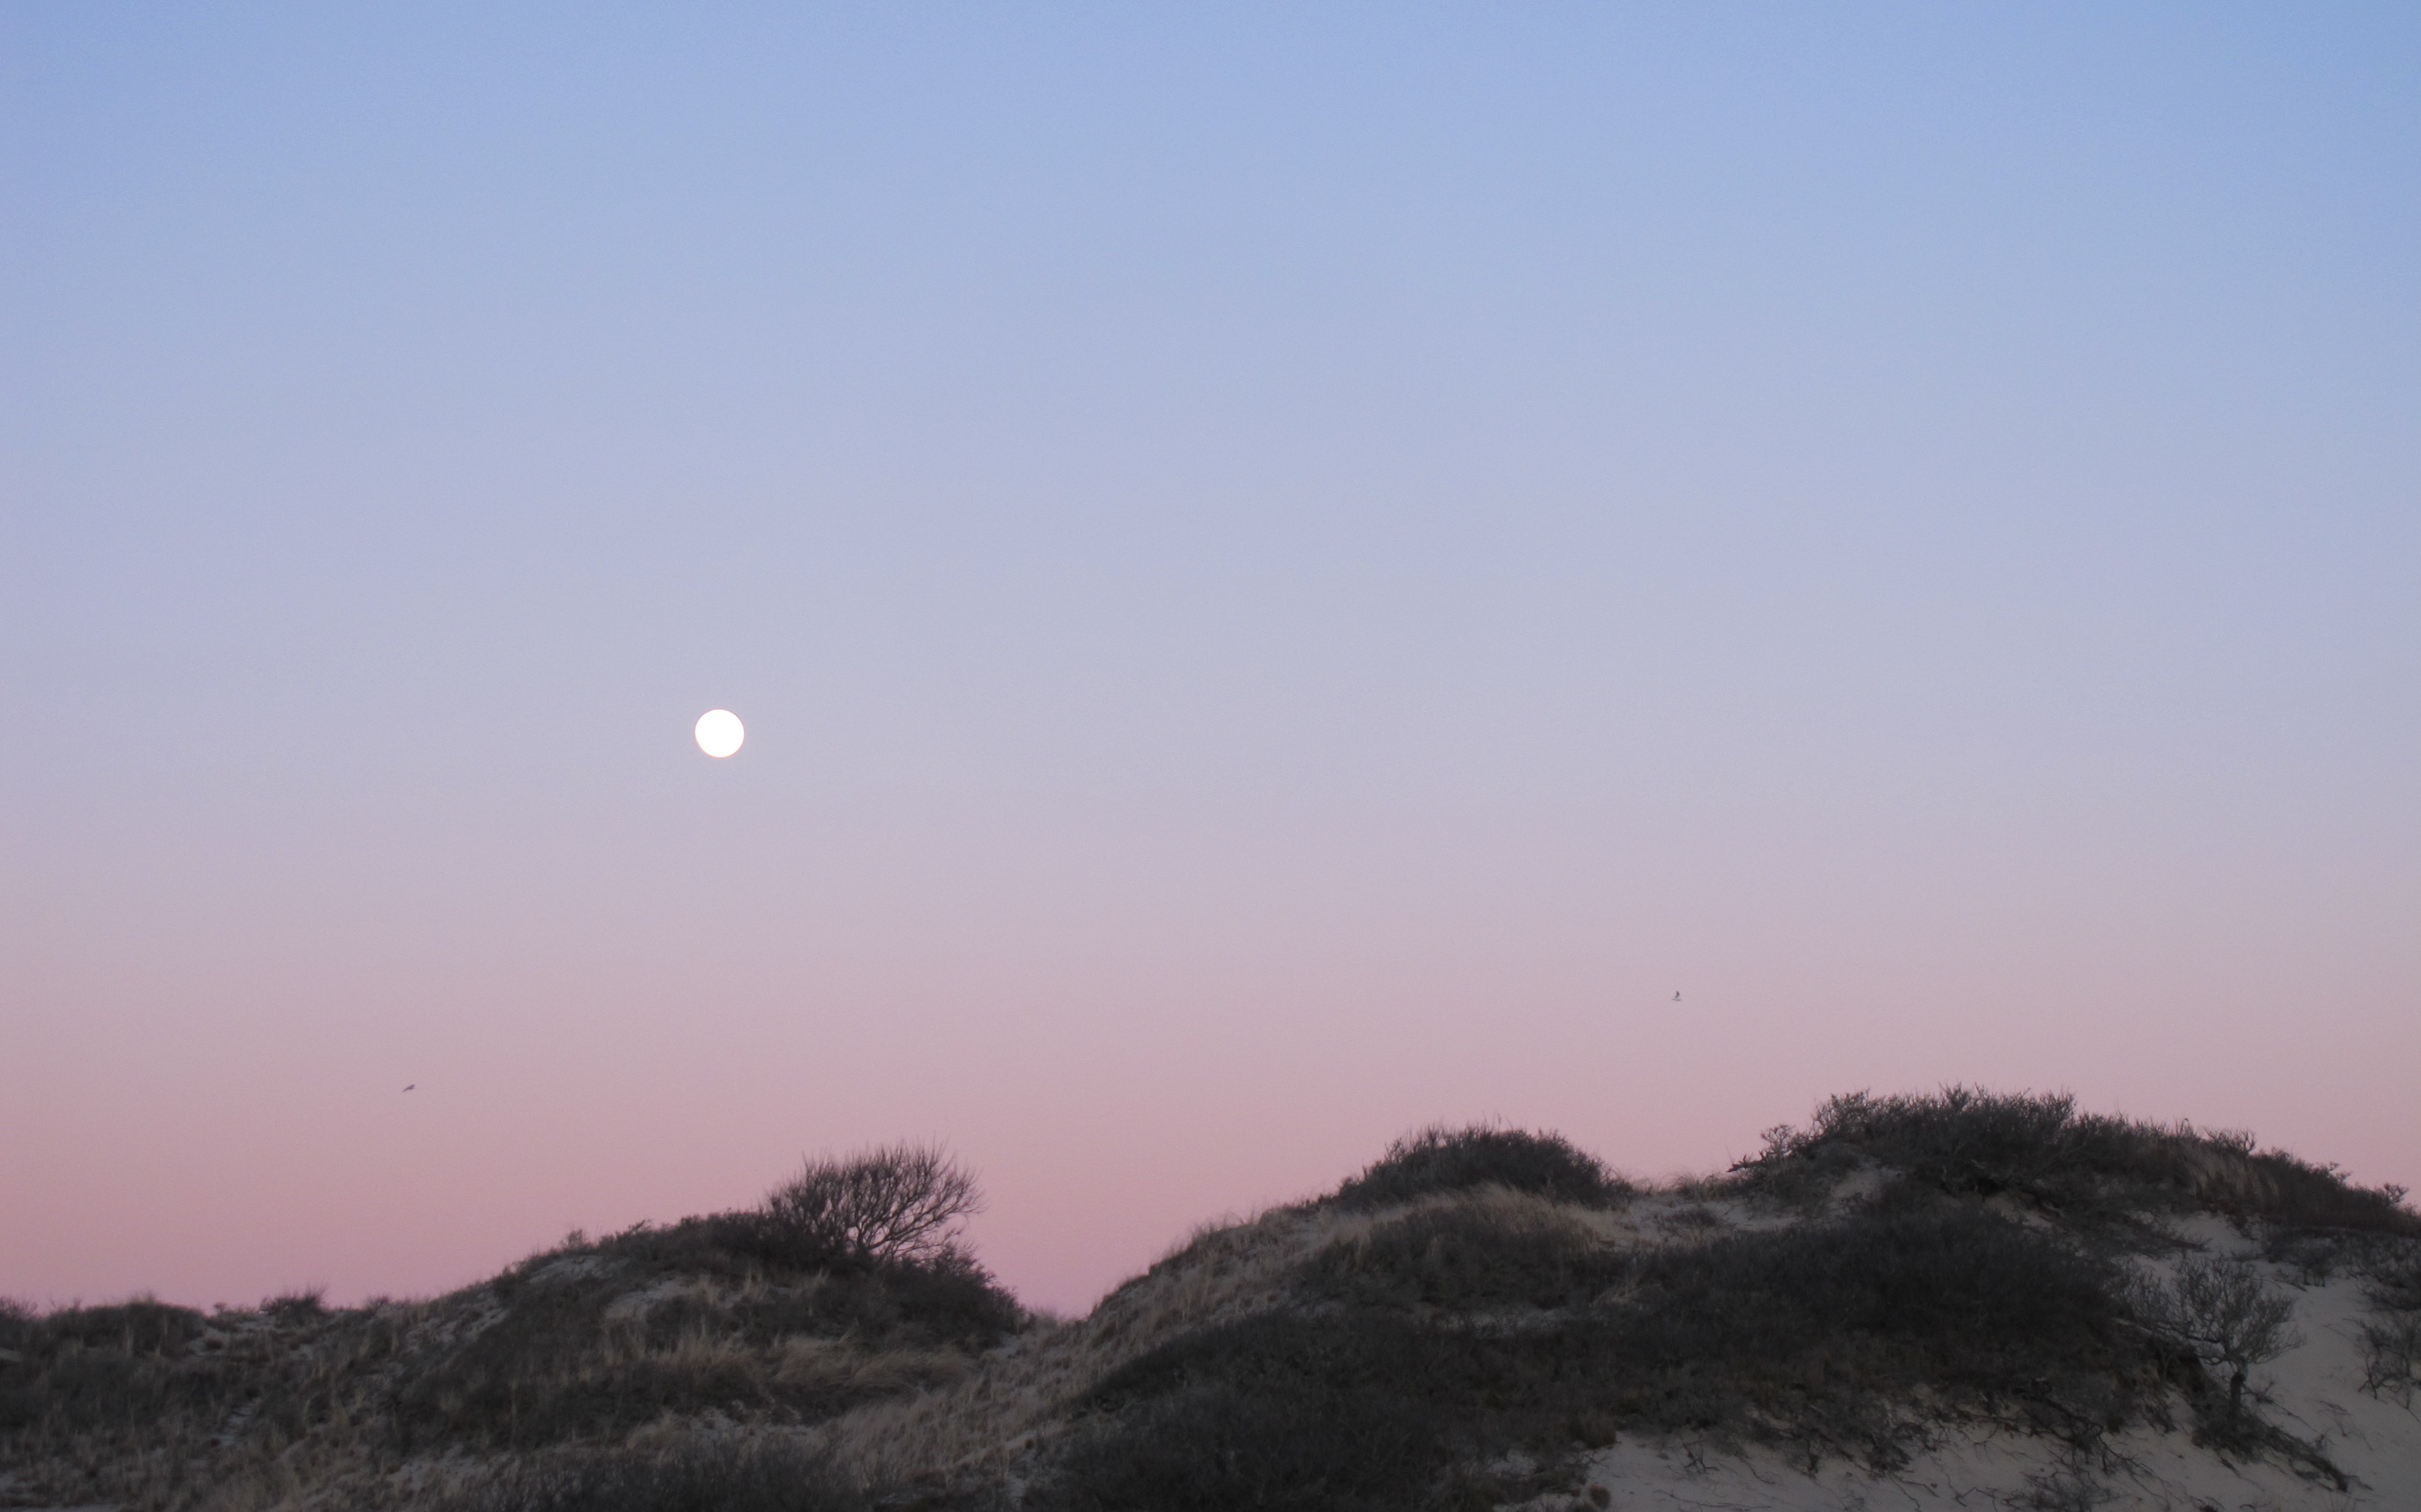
(87, 1367)
(2091, 1168)
(1437, 1159)
(1460, 1330)
(848, 1285)
(1468, 1255)
(2392, 1340)
(1812, 1335)
(571, 1356)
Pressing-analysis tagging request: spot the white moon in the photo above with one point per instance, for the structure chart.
(719, 732)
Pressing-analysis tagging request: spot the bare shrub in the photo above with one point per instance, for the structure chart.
(2392, 1345)
(2394, 1274)
(898, 1203)
(2071, 1487)
(2391, 1363)
(2225, 1313)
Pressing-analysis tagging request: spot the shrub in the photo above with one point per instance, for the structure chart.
(1438, 1158)
(2274, 1187)
(301, 1306)
(2392, 1344)
(2391, 1357)
(733, 1244)
(2038, 1148)
(2225, 1313)
(903, 1202)
(2394, 1274)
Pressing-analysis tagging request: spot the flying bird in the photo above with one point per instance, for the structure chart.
(409, 1088)
(1676, 997)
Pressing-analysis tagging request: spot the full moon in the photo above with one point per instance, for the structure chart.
(719, 732)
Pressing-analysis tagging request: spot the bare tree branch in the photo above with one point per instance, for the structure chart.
(900, 1202)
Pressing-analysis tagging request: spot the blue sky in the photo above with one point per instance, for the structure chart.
(1280, 562)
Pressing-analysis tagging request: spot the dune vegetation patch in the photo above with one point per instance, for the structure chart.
(1834, 1337)
(1439, 1160)
(847, 1285)
(2038, 1150)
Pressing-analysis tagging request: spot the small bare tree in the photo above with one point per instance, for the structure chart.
(901, 1202)
(2225, 1313)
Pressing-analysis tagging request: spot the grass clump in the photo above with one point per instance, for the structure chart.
(1438, 1160)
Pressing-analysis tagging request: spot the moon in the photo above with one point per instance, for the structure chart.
(719, 732)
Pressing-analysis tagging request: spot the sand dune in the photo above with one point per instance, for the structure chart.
(1947, 1302)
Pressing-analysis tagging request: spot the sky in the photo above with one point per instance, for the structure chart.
(1292, 572)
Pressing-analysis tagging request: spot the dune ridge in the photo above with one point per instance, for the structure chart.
(1955, 1298)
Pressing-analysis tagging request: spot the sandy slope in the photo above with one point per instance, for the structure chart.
(2314, 1390)
(1004, 1415)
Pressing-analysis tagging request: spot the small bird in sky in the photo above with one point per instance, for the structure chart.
(409, 1088)
(1676, 997)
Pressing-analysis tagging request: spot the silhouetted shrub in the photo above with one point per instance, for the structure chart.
(1467, 1254)
(297, 1306)
(902, 1202)
(1438, 1158)
(899, 1205)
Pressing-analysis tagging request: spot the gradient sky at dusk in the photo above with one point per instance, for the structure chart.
(1292, 572)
